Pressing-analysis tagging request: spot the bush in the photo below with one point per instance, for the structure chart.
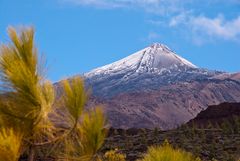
(113, 155)
(167, 153)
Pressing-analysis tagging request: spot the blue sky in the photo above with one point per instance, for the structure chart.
(78, 35)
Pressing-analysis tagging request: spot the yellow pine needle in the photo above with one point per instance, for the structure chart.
(75, 97)
(28, 97)
(92, 131)
(10, 143)
(27, 101)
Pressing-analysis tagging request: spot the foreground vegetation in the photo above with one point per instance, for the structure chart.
(167, 153)
(29, 121)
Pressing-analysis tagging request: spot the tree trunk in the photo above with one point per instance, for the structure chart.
(31, 156)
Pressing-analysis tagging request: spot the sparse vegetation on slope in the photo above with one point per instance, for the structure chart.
(211, 141)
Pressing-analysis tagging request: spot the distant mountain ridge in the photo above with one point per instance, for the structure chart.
(155, 87)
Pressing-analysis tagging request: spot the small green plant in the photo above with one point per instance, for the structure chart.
(197, 159)
(155, 133)
(113, 155)
(143, 136)
(226, 127)
(167, 153)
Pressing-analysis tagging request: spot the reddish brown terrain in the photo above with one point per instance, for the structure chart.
(217, 115)
(169, 106)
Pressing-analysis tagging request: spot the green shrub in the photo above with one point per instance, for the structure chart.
(167, 153)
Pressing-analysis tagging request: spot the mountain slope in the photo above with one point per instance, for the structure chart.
(156, 87)
(168, 106)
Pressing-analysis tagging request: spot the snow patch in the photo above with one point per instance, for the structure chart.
(155, 58)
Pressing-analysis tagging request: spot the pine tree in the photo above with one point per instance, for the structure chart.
(26, 104)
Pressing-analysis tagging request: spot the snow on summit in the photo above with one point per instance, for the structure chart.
(155, 58)
(146, 70)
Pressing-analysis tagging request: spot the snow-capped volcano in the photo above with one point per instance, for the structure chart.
(155, 87)
(155, 58)
(147, 69)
